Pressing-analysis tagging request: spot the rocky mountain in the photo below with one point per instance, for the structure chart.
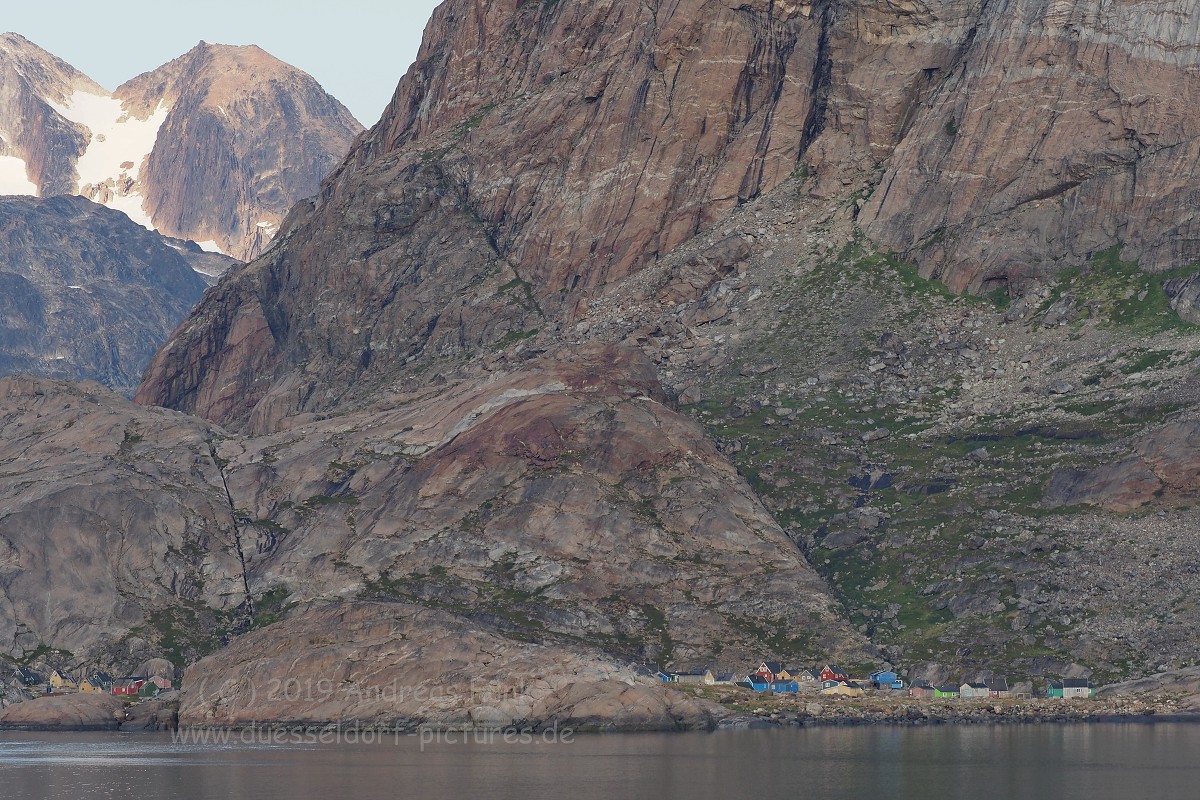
(87, 293)
(615, 343)
(214, 147)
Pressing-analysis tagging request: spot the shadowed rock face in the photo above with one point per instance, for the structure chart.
(85, 293)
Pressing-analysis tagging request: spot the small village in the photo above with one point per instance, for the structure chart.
(144, 687)
(772, 677)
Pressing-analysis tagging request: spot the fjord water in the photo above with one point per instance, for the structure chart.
(1027, 761)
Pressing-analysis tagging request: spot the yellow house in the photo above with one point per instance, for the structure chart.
(845, 690)
(60, 682)
(87, 686)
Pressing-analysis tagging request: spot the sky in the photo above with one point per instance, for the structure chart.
(356, 49)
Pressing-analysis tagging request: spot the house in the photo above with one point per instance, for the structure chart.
(758, 683)
(773, 671)
(1071, 688)
(829, 684)
(886, 680)
(831, 672)
(844, 689)
(946, 692)
(807, 675)
(998, 687)
(920, 688)
(127, 687)
(59, 682)
(86, 686)
(785, 687)
(101, 680)
(973, 690)
(693, 677)
(28, 677)
(149, 689)
(720, 678)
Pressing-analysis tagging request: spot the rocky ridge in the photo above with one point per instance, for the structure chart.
(87, 293)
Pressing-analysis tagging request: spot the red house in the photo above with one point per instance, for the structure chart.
(127, 687)
(832, 672)
(770, 670)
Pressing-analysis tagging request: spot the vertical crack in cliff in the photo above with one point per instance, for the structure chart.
(822, 81)
(237, 535)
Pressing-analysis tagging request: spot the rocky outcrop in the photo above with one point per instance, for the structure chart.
(1057, 132)
(69, 712)
(214, 147)
(115, 528)
(1164, 464)
(247, 137)
(400, 666)
(88, 294)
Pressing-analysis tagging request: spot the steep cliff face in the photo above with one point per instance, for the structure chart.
(38, 147)
(215, 146)
(246, 137)
(1061, 130)
(534, 154)
(88, 294)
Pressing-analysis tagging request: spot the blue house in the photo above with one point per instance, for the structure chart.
(886, 680)
(758, 683)
(786, 687)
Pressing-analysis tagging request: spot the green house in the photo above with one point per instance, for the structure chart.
(1054, 690)
(149, 689)
(945, 691)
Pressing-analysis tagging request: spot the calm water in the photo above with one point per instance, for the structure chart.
(1090, 762)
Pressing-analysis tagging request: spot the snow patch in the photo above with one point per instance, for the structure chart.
(120, 144)
(211, 247)
(14, 179)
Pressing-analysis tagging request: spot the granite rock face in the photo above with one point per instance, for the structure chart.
(1059, 130)
(70, 712)
(113, 523)
(246, 138)
(399, 666)
(87, 293)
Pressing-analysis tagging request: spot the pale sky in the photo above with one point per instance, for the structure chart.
(356, 49)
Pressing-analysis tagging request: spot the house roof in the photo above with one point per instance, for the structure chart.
(835, 669)
(724, 676)
(998, 684)
(1076, 683)
(920, 683)
(100, 677)
(976, 685)
(775, 666)
(948, 689)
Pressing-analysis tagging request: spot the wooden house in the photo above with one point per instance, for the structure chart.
(998, 687)
(693, 677)
(773, 671)
(832, 672)
(1071, 688)
(719, 678)
(149, 689)
(920, 688)
(59, 682)
(844, 689)
(785, 687)
(946, 692)
(886, 680)
(758, 683)
(29, 678)
(973, 690)
(807, 675)
(127, 687)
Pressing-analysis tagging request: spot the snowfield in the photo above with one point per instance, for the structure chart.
(13, 177)
(119, 146)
